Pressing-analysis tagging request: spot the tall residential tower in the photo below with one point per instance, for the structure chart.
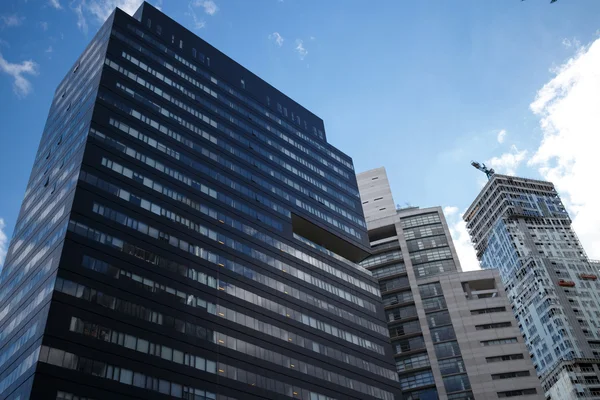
(187, 232)
(521, 227)
(453, 332)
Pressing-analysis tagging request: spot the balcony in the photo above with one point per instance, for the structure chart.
(588, 277)
(566, 283)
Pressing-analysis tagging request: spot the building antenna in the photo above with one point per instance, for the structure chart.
(487, 171)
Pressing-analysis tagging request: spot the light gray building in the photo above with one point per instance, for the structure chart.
(453, 333)
(521, 227)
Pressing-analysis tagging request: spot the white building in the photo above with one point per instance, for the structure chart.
(521, 227)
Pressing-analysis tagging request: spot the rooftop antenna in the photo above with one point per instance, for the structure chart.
(487, 171)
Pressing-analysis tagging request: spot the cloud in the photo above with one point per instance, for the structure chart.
(209, 6)
(158, 4)
(3, 243)
(11, 20)
(302, 52)
(55, 4)
(100, 10)
(49, 50)
(198, 23)
(508, 163)
(462, 240)
(568, 154)
(81, 21)
(501, 136)
(570, 43)
(44, 25)
(277, 38)
(21, 86)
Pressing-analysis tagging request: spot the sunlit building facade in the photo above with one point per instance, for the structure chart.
(521, 227)
(453, 333)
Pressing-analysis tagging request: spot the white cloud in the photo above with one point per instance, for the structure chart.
(21, 86)
(11, 20)
(508, 163)
(55, 4)
(44, 25)
(501, 136)
(277, 38)
(302, 52)
(568, 155)
(209, 6)
(570, 43)
(3, 243)
(462, 240)
(49, 50)
(158, 4)
(100, 10)
(81, 21)
(198, 23)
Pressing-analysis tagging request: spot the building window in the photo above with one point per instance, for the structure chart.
(457, 383)
(149, 23)
(181, 44)
(516, 374)
(508, 357)
(417, 379)
(493, 326)
(401, 313)
(159, 30)
(442, 334)
(412, 362)
(405, 328)
(430, 289)
(434, 304)
(515, 393)
(243, 83)
(194, 53)
(497, 342)
(488, 310)
(452, 366)
(448, 349)
(438, 319)
(406, 345)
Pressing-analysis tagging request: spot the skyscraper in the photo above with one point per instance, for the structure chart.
(521, 227)
(453, 333)
(187, 232)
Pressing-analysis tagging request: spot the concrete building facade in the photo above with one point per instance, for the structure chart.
(453, 333)
(521, 227)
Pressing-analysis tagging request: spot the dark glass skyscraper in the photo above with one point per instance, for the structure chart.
(187, 232)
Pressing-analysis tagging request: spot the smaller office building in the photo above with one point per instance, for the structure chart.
(453, 333)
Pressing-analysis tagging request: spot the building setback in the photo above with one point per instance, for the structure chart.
(453, 333)
(521, 227)
(187, 232)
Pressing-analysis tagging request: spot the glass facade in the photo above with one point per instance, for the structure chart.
(188, 232)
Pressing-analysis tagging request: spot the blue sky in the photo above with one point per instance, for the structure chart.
(420, 87)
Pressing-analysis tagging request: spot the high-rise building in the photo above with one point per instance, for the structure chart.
(187, 232)
(521, 227)
(453, 333)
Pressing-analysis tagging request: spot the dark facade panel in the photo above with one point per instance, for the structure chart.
(156, 254)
